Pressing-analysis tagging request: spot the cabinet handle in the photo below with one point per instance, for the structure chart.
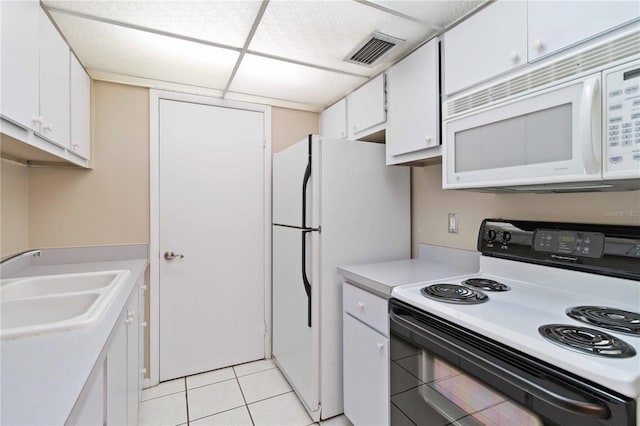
(361, 306)
(380, 345)
(47, 127)
(75, 146)
(514, 56)
(143, 371)
(144, 288)
(143, 324)
(538, 45)
(128, 321)
(37, 119)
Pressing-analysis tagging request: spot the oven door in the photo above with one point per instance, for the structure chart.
(442, 374)
(549, 136)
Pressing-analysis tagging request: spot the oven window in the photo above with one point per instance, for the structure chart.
(425, 390)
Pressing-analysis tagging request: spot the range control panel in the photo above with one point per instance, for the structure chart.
(587, 244)
(612, 250)
(622, 122)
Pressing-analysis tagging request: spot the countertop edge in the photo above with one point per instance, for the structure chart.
(18, 355)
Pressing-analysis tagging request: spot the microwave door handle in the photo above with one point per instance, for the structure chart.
(591, 125)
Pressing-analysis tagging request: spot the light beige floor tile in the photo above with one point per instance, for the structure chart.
(165, 410)
(340, 420)
(164, 388)
(262, 385)
(210, 377)
(236, 417)
(254, 367)
(212, 399)
(283, 410)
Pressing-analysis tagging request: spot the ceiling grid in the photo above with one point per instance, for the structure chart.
(281, 52)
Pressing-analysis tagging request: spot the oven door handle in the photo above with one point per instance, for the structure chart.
(578, 407)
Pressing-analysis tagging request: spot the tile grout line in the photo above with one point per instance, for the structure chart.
(186, 398)
(243, 397)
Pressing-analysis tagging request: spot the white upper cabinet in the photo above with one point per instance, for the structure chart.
(489, 43)
(80, 110)
(333, 121)
(367, 109)
(20, 75)
(554, 25)
(54, 84)
(507, 34)
(413, 123)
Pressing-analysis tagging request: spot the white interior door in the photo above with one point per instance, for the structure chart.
(212, 213)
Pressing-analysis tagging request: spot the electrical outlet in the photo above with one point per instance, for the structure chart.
(453, 223)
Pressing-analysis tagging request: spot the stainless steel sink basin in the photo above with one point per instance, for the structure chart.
(44, 304)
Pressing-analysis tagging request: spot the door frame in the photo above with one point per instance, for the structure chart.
(154, 215)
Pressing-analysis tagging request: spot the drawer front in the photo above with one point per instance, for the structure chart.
(367, 307)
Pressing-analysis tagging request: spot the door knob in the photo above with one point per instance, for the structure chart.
(169, 255)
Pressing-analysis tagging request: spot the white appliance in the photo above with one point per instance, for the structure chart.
(334, 203)
(505, 354)
(570, 125)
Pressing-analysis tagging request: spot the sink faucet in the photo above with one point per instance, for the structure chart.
(34, 253)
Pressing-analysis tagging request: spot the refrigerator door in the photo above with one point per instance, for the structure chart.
(295, 343)
(290, 167)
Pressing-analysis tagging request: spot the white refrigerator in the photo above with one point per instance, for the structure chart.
(334, 203)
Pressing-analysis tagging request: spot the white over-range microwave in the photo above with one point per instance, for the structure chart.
(582, 134)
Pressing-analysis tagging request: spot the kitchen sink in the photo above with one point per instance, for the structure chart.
(56, 284)
(44, 304)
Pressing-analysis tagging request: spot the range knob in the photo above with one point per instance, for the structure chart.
(506, 237)
(491, 234)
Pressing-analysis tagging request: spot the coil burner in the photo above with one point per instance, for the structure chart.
(454, 293)
(486, 284)
(586, 340)
(609, 318)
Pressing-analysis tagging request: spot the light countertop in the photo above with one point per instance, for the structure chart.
(433, 262)
(42, 376)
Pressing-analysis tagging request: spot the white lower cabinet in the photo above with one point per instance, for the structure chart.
(366, 370)
(123, 368)
(112, 396)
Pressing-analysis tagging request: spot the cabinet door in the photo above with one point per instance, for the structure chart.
(19, 52)
(91, 412)
(54, 84)
(80, 110)
(558, 24)
(333, 121)
(366, 374)
(489, 43)
(414, 97)
(133, 369)
(117, 377)
(366, 107)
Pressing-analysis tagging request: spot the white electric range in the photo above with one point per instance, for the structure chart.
(548, 331)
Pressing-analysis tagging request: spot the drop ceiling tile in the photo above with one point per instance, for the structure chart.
(324, 32)
(224, 22)
(296, 83)
(440, 13)
(115, 49)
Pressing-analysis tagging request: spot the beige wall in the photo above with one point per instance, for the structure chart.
(14, 208)
(289, 126)
(110, 204)
(106, 205)
(431, 204)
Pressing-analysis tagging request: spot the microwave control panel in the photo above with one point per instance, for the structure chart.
(621, 147)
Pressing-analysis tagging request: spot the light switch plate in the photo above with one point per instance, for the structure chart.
(453, 223)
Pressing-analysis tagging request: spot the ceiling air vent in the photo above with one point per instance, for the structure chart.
(372, 48)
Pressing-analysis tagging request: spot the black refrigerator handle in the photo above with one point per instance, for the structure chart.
(305, 279)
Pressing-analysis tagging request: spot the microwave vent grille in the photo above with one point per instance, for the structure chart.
(580, 62)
